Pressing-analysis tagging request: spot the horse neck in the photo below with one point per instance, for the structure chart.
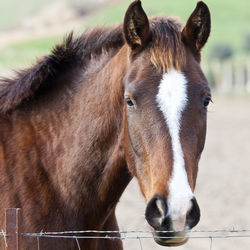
(81, 148)
(108, 109)
(115, 174)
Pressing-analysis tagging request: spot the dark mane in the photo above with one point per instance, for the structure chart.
(73, 52)
(166, 51)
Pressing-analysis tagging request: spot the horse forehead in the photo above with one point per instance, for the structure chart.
(172, 94)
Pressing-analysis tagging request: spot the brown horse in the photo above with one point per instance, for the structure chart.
(112, 104)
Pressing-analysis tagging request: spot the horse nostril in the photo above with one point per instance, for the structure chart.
(156, 211)
(157, 215)
(166, 223)
(193, 215)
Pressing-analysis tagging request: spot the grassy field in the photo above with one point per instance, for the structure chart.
(19, 55)
(230, 20)
(14, 11)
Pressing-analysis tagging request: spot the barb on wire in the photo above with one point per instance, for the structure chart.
(3, 234)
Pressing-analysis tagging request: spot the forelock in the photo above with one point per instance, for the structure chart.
(167, 50)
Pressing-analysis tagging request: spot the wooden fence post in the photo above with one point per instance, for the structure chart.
(248, 77)
(12, 228)
(227, 76)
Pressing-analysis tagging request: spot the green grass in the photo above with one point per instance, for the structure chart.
(20, 55)
(230, 20)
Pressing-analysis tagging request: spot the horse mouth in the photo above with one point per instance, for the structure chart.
(170, 239)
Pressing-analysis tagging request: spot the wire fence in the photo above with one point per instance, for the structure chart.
(122, 235)
(137, 235)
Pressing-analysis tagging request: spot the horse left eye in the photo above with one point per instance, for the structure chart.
(206, 101)
(129, 102)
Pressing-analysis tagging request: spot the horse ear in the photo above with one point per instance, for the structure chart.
(197, 29)
(136, 26)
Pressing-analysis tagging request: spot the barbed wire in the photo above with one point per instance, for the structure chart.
(136, 237)
(143, 231)
(137, 232)
(140, 235)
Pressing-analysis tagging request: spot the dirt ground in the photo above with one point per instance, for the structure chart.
(223, 187)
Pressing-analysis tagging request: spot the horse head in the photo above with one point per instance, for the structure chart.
(166, 97)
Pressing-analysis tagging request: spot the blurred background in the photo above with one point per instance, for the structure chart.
(30, 28)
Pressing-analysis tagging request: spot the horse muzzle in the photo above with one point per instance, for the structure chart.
(170, 232)
(170, 239)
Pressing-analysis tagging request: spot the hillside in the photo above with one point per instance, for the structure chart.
(230, 21)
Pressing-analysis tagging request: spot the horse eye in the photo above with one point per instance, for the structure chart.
(129, 102)
(206, 101)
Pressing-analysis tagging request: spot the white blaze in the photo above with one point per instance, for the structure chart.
(172, 100)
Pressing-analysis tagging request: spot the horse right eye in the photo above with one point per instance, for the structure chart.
(129, 102)
(206, 102)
